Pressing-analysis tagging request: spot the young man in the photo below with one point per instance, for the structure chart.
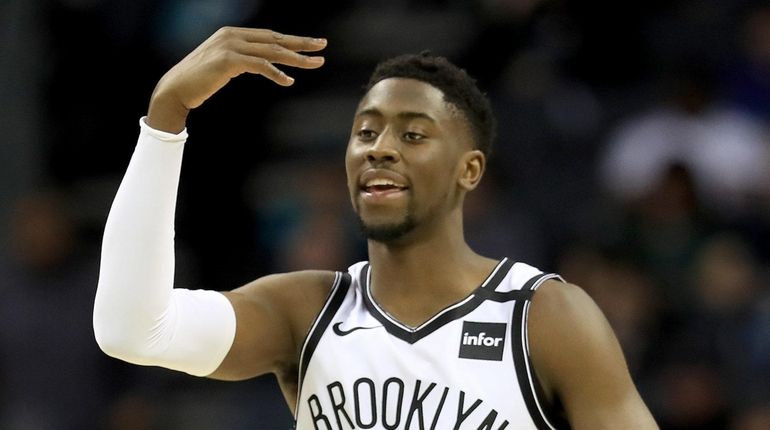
(426, 334)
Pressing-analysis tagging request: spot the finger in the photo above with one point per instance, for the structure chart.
(279, 54)
(300, 43)
(261, 66)
(291, 42)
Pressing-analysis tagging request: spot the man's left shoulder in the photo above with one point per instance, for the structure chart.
(558, 296)
(564, 320)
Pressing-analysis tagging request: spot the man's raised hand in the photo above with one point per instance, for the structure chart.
(228, 53)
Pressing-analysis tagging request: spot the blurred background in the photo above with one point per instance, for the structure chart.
(632, 158)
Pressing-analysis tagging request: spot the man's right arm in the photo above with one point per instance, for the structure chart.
(138, 315)
(136, 310)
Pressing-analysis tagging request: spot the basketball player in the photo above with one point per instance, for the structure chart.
(427, 334)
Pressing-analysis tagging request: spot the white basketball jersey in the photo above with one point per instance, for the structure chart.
(467, 367)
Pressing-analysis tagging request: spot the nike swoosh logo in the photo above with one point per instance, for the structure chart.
(339, 332)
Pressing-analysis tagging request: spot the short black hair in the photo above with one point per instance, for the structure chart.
(458, 86)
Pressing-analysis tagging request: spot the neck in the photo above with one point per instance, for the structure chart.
(426, 271)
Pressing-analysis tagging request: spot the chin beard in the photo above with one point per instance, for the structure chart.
(387, 233)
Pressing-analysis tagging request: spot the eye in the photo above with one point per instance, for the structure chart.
(412, 136)
(366, 135)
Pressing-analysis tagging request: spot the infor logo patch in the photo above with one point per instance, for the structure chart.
(482, 341)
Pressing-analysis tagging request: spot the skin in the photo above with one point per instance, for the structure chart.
(405, 131)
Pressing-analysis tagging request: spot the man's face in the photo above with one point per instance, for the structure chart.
(404, 157)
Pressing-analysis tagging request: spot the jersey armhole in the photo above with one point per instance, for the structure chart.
(320, 323)
(544, 414)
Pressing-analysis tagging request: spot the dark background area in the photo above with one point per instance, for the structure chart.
(632, 158)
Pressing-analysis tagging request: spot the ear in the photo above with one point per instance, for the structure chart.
(472, 168)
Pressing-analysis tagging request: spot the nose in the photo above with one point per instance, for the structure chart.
(384, 149)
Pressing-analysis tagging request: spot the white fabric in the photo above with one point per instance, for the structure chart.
(139, 316)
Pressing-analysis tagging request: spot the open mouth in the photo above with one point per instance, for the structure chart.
(382, 187)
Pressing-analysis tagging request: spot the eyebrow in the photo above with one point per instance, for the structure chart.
(401, 115)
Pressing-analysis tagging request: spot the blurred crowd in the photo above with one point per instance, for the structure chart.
(633, 158)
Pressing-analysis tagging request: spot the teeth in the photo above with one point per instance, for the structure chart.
(382, 182)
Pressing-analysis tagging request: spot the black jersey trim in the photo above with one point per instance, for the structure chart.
(507, 296)
(486, 291)
(543, 414)
(321, 322)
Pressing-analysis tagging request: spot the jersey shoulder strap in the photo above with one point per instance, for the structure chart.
(342, 281)
(545, 415)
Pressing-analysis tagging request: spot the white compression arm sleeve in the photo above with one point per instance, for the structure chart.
(138, 316)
